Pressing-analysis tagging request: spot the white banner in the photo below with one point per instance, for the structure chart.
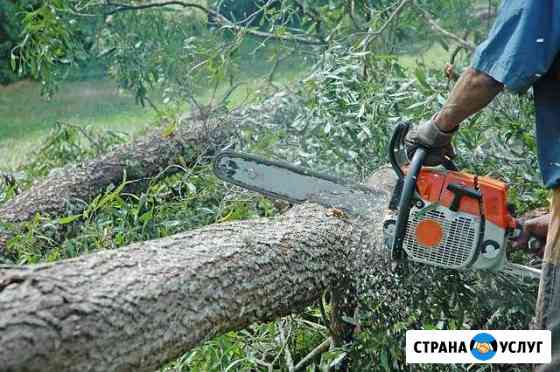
(504, 347)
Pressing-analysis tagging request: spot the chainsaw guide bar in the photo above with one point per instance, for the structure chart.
(284, 181)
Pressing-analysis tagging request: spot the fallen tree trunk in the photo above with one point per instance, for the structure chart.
(138, 307)
(68, 190)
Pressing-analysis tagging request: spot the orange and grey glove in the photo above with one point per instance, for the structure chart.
(436, 141)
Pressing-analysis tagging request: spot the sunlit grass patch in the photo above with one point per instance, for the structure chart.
(25, 116)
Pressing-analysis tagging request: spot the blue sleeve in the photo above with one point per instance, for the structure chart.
(522, 44)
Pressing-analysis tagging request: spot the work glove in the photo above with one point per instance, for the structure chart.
(437, 142)
(535, 230)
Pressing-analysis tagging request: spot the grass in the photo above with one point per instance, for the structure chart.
(25, 116)
(433, 57)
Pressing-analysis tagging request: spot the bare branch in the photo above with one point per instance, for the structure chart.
(120, 7)
(267, 35)
(370, 36)
(373, 35)
(324, 346)
(220, 19)
(351, 14)
(428, 17)
(253, 15)
(284, 340)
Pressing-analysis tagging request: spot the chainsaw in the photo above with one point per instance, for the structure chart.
(437, 215)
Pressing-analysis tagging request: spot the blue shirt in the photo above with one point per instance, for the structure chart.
(519, 51)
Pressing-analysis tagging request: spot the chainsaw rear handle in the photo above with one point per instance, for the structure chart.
(459, 191)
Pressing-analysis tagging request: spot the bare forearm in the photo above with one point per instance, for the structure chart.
(472, 92)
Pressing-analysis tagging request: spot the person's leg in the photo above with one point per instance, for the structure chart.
(548, 301)
(547, 103)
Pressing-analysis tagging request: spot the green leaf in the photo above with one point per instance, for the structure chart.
(385, 360)
(146, 217)
(13, 64)
(69, 219)
(169, 130)
(421, 78)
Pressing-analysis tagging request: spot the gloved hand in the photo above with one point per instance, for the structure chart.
(533, 228)
(435, 140)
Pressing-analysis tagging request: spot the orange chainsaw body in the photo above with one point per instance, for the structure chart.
(463, 232)
(433, 184)
(442, 217)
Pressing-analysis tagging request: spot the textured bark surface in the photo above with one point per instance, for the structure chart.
(70, 188)
(135, 308)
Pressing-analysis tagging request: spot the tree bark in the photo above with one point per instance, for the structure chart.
(135, 308)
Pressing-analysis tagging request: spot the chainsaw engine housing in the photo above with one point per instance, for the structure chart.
(458, 221)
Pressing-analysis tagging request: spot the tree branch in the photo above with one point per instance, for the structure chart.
(120, 7)
(373, 35)
(68, 189)
(284, 339)
(135, 308)
(324, 346)
(223, 21)
(370, 36)
(428, 17)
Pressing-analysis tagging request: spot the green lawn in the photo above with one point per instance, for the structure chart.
(25, 116)
(434, 57)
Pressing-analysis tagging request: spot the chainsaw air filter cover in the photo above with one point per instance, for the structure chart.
(459, 221)
(438, 236)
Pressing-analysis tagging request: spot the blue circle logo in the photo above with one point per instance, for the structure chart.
(483, 346)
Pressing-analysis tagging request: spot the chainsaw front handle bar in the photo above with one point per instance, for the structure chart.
(396, 147)
(407, 198)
